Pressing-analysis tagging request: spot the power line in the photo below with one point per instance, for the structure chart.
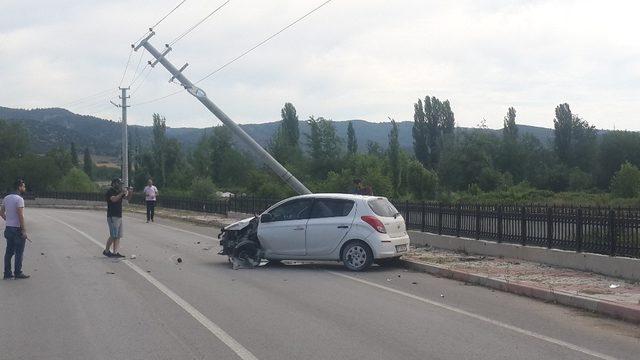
(83, 99)
(161, 20)
(264, 41)
(135, 74)
(198, 23)
(241, 55)
(126, 67)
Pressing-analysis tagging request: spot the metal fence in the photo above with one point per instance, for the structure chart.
(614, 232)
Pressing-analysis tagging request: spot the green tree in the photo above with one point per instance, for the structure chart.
(575, 142)
(325, 147)
(76, 180)
(433, 122)
(510, 129)
(626, 182)
(563, 124)
(159, 146)
(290, 125)
(203, 188)
(13, 140)
(422, 183)
(352, 142)
(87, 163)
(62, 159)
(393, 154)
(616, 148)
(74, 155)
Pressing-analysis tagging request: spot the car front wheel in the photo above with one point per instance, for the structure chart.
(357, 256)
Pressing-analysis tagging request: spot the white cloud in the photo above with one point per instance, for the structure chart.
(352, 59)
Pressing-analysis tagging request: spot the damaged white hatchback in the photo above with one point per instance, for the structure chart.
(354, 229)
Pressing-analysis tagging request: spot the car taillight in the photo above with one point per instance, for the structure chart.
(375, 223)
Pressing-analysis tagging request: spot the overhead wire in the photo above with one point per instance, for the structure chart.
(246, 52)
(86, 98)
(193, 27)
(263, 41)
(161, 20)
(126, 67)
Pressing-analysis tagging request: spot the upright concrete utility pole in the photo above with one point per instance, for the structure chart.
(202, 97)
(125, 136)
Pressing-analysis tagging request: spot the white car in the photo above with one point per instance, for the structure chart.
(354, 229)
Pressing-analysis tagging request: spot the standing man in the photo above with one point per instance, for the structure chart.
(12, 211)
(150, 194)
(114, 197)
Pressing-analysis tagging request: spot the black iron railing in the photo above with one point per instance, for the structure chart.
(614, 232)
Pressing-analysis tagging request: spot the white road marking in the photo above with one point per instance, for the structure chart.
(217, 331)
(481, 318)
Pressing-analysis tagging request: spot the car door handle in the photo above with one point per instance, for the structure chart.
(299, 228)
(343, 227)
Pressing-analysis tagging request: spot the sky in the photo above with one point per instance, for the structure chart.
(351, 59)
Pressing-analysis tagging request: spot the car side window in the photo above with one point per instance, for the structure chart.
(292, 210)
(324, 208)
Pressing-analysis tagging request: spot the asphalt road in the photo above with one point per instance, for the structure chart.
(81, 305)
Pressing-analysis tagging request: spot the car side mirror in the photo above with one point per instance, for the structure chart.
(266, 217)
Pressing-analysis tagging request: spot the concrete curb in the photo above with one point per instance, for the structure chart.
(619, 311)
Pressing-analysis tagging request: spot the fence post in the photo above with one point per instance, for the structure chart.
(499, 223)
(458, 219)
(439, 218)
(524, 226)
(612, 232)
(477, 222)
(424, 216)
(549, 227)
(406, 211)
(253, 204)
(579, 231)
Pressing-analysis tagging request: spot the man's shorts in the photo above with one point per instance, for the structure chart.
(115, 227)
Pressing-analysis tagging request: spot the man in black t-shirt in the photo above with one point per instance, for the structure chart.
(114, 197)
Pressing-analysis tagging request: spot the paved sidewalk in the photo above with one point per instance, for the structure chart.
(608, 295)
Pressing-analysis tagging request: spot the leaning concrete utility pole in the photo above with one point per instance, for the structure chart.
(125, 137)
(202, 97)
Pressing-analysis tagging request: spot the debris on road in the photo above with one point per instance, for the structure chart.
(614, 286)
(133, 256)
(414, 283)
(110, 273)
(179, 260)
(388, 280)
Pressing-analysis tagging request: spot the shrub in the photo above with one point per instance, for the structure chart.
(76, 180)
(203, 188)
(626, 182)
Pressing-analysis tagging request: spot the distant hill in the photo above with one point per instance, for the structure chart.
(53, 127)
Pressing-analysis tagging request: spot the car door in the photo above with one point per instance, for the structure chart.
(329, 222)
(285, 233)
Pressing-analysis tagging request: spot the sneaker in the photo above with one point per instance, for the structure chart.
(147, 221)
(107, 253)
(7, 276)
(21, 276)
(118, 255)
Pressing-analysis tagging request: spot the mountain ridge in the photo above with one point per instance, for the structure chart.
(51, 127)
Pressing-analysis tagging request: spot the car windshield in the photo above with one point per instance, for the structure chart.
(382, 207)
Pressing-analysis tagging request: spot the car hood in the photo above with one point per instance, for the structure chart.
(239, 225)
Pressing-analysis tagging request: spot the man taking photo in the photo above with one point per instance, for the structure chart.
(114, 197)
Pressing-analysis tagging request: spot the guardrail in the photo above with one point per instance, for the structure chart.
(608, 231)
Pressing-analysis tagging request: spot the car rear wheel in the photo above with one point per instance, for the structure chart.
(357, 256)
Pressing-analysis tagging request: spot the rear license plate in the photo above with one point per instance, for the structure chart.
(401, 248)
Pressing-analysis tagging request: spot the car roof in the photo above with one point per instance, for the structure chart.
(336, 196)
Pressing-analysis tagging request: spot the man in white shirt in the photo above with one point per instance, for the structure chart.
(150, 195)
(12, 211)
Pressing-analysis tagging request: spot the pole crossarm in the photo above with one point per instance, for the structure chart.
(201, 95)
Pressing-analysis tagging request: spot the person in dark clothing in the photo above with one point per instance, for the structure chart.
(114, 197)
